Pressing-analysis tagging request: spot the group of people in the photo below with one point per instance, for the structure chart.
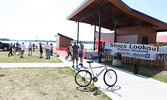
(31, 47)
(75, 51)
(48, 49)
(20, 48)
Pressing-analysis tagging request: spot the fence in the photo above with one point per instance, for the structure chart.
(142, 62)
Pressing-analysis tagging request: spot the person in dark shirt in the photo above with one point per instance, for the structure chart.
(69, 52)
(51, 49)
(33, 47)
(75, 50)
(10, 50)
(103, 46)
(17, 46)
(41, 50)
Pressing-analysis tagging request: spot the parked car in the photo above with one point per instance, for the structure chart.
(4, 46)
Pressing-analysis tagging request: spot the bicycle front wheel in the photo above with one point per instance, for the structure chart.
(110, 77)
(83, 78)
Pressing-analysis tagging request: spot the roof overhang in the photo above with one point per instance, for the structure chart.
(64, 36)
(125, 16)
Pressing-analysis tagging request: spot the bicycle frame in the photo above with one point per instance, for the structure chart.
(105, 68)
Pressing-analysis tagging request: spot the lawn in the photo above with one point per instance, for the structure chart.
(152, 72)
(43, 84)
(27, 59)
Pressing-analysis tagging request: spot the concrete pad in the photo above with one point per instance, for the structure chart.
(130, 86)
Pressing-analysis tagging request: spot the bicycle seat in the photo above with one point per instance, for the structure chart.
(89, 62)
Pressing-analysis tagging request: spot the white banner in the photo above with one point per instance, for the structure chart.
(140, 51)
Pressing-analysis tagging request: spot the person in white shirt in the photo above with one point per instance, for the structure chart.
(22, 50)
(30, 49)
(47, 51)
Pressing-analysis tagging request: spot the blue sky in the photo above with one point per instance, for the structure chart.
(42, 19)
(154, 8)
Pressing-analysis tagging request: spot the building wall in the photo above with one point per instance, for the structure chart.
(140, 31)
(150, 32)
(107, 37)
(64, 42)
(128, 39)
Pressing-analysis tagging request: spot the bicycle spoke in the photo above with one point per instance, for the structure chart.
(83, 78)
(110, 77)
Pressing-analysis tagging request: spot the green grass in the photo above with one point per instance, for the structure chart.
(44, 84)
(1, 75)
(152, 72)
(27, 59)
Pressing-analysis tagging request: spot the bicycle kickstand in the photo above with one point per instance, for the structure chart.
(95, 89)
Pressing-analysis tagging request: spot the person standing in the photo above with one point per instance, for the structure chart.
(33, 46)
(81, 48)
(101, 47)
(75, 50)
(51, 49)
(30, 49)
(19, 49)
(47, 51)
(10, 50)
(14, 49)
(69, 52)
(22, 50)
(17, 46)
(40, 50)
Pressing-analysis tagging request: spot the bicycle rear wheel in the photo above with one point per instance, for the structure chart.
(83, 78)
(110, 77)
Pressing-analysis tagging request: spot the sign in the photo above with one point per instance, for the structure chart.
(140, 51)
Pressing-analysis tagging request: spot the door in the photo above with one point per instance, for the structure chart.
(145, 40)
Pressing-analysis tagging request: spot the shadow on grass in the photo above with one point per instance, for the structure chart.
(86, 89)
(90, 89)
(2, 75)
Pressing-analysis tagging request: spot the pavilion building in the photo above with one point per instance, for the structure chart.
(128, 24)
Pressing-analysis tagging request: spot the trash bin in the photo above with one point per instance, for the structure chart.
(118, 56)
(117, 59)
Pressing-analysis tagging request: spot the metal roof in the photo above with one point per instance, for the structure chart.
(126, 16)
